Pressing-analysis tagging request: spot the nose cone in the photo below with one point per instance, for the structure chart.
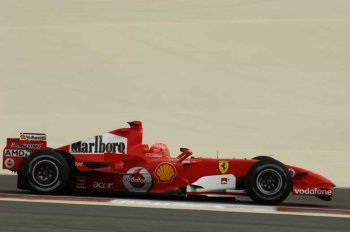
(327, 181)
(306, 178)
(323, 180)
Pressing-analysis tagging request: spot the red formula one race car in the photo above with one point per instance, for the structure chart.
(118, 161)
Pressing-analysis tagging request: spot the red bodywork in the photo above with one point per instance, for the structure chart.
(117, 161)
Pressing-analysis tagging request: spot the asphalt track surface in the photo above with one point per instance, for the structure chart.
(34, 216)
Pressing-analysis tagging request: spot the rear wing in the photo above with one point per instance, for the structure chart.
(17, 149)
(32, 136)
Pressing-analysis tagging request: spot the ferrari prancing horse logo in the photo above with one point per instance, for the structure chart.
(223, 166)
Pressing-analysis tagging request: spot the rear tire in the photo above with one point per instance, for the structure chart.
(46, 172)
(268, 182)
(21, 181)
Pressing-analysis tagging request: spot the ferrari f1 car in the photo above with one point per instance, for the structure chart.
(118, 161)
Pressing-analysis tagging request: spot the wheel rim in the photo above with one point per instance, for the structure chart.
(269, 182)
(45, 173)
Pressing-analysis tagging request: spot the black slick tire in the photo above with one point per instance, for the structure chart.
(45, 172)
(268, 182)
(263, 157)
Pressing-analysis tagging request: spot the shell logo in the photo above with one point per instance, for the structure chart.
(165, 172)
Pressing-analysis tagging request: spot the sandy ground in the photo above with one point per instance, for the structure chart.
(237, 77)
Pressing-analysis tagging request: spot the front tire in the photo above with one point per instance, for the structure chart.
(263, 157)
(268, 182)
(46, 172)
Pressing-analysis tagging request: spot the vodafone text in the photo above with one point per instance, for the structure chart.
(313, 191)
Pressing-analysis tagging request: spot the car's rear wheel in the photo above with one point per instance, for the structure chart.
(268, 182)
(46, 172)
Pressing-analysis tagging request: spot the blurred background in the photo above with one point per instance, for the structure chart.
(237, 77)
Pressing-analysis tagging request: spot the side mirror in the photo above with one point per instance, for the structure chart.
(183, 149)
(185, 153)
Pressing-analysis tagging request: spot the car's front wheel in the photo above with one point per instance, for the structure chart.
(46, 172)
(268, 182)
(263, 157)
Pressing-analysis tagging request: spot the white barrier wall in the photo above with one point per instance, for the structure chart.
(243, 78)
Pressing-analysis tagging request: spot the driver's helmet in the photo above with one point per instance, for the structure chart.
(160, 148)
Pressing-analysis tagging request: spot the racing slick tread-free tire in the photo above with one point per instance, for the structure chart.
(46, 172)
(268, 182)
(263, 157)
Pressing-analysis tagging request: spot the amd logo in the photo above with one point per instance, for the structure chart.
(102, 185)
(17, 153)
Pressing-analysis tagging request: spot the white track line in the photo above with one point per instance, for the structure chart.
(179, 205)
